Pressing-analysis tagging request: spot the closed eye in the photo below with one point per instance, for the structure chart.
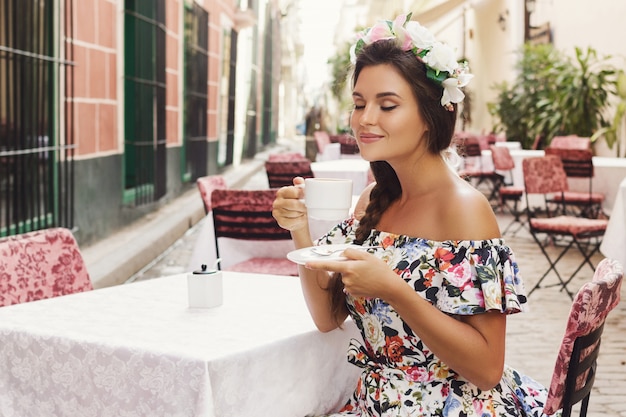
(388, 108)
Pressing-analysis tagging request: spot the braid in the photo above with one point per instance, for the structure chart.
(385, 192)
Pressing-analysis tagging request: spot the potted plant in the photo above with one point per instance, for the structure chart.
(613, 134)
(554, 95)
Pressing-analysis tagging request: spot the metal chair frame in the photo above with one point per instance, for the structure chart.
(545, 176)
(578, 163)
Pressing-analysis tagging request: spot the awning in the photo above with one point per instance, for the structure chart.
(435, 13)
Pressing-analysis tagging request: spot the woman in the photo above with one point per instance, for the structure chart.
(431, 302)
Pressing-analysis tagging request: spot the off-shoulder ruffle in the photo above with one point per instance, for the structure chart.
(459, 277)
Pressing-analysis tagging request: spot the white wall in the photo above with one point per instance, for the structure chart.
(583, 23)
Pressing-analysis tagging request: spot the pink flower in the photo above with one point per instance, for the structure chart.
(460, 275)
(378, 32)
(418, 374)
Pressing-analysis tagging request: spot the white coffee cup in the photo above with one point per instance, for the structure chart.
(328, 198)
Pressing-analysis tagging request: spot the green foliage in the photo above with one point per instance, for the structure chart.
(340, 67)
(554, 95)
(611, 134)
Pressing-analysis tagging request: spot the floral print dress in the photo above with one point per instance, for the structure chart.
(401, 377)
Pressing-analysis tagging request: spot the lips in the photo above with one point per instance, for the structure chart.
(369, 138)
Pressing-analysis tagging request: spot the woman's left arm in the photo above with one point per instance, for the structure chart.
(472, 346)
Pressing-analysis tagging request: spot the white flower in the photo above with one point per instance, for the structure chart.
(422, 37)
(441, 58)
(373, 330)
(353, 53)
(451, 89)
(464, 79)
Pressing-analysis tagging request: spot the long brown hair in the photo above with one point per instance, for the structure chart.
(440, 122)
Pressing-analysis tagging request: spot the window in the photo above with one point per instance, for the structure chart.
(36, 148)
(144, 101)
(196, 96)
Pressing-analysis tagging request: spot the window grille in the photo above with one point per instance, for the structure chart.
(36, 92)
(196, 96)
(144, 101)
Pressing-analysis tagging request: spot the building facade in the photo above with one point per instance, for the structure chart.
(110, 108)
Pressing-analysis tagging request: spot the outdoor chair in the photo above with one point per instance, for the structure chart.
(326, 150)
(578, 163)
(468, 146)
(261, 244)
(282, 173)
(545, 177)
(575, 368)
(508, 195)
(348, 147)
(206, 185)
(286, 156)
(41, 264)
(570, 142)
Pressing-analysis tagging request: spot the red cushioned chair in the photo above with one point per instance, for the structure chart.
(326, 150)
(282, 173)
(42, 264)
(348, 146)
(570, 142)
(578, 163)
(545, 177)
(246, 215)
(469, 147)
(575, 368)
(206, 185)
(286, 156)
(509, 196)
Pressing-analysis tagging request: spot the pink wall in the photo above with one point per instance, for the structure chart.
(95, 76)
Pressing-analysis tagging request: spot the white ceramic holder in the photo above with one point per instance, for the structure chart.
(205, 288)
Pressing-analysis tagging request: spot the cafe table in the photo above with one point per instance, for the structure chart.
(614, 240)
(356, 169)
(138, 350)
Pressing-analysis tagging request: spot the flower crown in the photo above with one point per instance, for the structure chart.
(439, 58)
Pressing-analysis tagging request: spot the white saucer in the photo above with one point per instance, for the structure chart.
(302, 256)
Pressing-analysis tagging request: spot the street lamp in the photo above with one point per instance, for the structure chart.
(529, 8)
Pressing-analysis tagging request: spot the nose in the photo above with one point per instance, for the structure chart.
(367, 117)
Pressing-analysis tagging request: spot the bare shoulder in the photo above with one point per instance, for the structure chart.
(473, 215)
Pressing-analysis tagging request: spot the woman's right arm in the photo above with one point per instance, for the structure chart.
(290, 213)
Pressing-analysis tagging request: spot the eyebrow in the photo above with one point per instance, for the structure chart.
(379, 95)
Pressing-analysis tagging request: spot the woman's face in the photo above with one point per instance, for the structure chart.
(386, 120)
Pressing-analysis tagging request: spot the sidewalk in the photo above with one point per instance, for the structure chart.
(119, 257)
(533, 338)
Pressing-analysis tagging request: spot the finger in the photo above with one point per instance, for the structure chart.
(298, 181)
(356, 254)
(289, 193)
(332, 266)
(289, 204)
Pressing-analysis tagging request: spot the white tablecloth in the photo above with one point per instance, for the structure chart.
(355, 169)
(510, 145)
(614, 241)
(138, 350)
